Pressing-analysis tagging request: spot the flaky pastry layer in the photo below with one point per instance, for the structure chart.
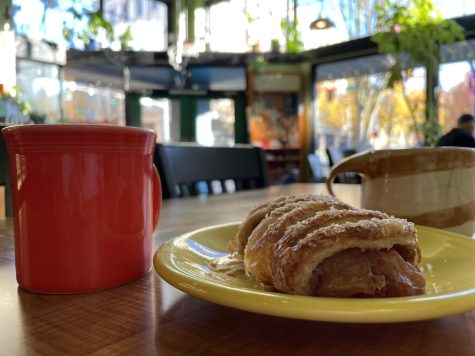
(283, 241)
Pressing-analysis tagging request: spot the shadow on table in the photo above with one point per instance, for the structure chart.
(212, 329)
(77, 324)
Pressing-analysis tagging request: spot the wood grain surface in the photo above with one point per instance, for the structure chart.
(149, 317)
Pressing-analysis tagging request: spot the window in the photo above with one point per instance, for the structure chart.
(354, 110)
(163, 116)
(261, 21)
(216, 78)
(215, 122)
(457, 84)
(91, 104)
(147, 20)
(40, 86)
(44, 20)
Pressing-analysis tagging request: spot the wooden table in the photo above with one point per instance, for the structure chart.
(151, 317)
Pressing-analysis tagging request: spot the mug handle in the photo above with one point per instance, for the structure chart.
(156, 196)
(357, 163)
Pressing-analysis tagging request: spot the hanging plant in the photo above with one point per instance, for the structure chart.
(95, 24)
(293, 42)
(98, 22)
(125, 38)
(258, 64)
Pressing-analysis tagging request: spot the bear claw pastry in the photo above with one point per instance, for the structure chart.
(315, 245)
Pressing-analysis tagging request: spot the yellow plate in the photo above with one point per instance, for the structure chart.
(448, 263)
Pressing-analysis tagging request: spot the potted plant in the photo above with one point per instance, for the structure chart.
(292, 36)
(96, 23)
(413, 36)
(275, 45)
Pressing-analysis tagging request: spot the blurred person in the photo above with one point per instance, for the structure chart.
(461, 136)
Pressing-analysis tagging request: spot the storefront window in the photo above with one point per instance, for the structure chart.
(45, 20)
(147, 20)
(457, 84)
(163, 116)
(261, 20)
(215, 122)
(356, 112)
(89, 104)
(39, 85)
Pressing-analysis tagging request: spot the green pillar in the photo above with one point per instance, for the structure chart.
(133, 114)
(172, 21)
(241, 134)
(3, 5)
(188, 119)
(190, 17)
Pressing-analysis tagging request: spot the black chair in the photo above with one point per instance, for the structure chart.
(316, 168)
(189, 169)
(335, 155)
(5, 175)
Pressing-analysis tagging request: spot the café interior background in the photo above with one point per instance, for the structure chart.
(217, 72)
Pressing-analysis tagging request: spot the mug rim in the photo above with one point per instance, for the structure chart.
(418, 149)
(76, 127)
(78, 138)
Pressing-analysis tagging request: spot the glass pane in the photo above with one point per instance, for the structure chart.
(142, 78)
(359, 112)
(216, 78)
(455, 8)
(261, 22)
(39, 85)
(147, 20)
(226, 23)
(215, 122)
(44, 20)
(162, 116)
(457, 90)
(91, 104)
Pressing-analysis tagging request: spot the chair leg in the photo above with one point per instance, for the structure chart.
(8, 195)
(8, 201)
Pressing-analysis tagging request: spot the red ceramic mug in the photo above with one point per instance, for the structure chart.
(86, 200)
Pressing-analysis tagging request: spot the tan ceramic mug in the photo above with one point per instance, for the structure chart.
(428, 186)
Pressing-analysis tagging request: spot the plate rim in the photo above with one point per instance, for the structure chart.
(268, 302)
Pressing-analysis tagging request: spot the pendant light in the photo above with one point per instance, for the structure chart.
(321, 23)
